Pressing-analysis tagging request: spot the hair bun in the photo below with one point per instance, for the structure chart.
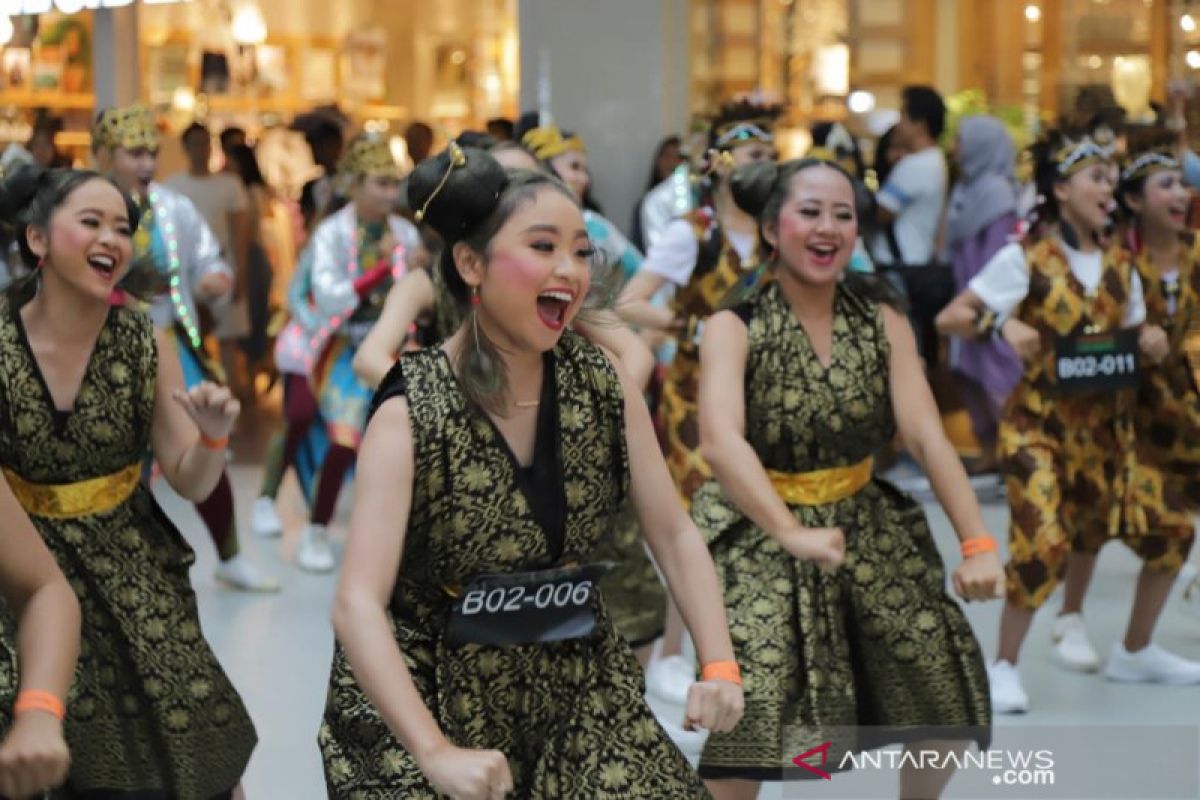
(17, 190)
(752, 184)
(454, 198)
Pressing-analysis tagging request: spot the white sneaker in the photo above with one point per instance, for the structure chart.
(1071, 646)
(315, 553)
(1008, 695)
(264, 519)
(240, 574)
(1151, 664)
(670, 678)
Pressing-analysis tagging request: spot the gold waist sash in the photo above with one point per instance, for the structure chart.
(67, 500)
(823, 486)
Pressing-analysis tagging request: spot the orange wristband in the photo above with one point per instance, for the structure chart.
(36, 700)
(978, 544)
(722, 671)
(213, 444)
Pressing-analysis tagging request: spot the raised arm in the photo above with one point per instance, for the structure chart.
(409, 299)
(190, 429)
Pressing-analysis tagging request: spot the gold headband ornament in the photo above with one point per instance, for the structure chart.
(457, 159)
(547, 142)
(1078, 155)
(744, 132)
(1148, 163)
(130, 128)
(369, 157)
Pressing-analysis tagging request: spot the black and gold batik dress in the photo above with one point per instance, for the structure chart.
(1074, 476)
(150, 709)
(1168, 411)
(569, 715)
(875, 652)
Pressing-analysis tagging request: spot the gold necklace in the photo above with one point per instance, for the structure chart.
(527, 403)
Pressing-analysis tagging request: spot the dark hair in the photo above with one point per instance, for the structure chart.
(30, 195)
(477, 139)
(883, 166)
(525, 123)
(503, 124)
(195, 127)
(820, 134)
(322, 132)
(231, 133)
(1141, 140)
(761, 189)
(1046, 176)
(923, 104)
(469, 204)
(243, 158)
(670, 141)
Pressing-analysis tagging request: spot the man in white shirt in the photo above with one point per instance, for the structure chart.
(910, 205)
(222, 200)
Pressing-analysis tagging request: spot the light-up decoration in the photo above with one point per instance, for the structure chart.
(183, 100)
(1193, 59)
(861, 102)
(248, 26)
(1188, 23)
(832, 70)
(1032, 13)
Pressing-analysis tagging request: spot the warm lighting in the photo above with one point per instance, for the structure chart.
(1188, 23)
(249, 26)
(832, 70)
(1095, 62)
(861, 102)
(1193, 59)
(6, 29)
(1032, 13)
(184, 100)
(458, 57)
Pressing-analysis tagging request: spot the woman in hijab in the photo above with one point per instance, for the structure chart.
(982, 218)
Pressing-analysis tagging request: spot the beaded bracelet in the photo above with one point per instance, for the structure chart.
(722, 671)
(37, 700)
(978, 544)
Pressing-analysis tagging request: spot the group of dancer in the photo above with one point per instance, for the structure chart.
(483, 370)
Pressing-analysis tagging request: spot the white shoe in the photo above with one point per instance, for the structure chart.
(1071, 646)
(670, 678)
(315, 553)
(240, 574)
(1008, 695)
(1151, 664)
(264, 519)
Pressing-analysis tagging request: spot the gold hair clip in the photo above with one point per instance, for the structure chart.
(457, 159)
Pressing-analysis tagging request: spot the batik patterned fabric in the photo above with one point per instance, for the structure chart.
(150, 707)
(1168, 413)
(1071, 465)
(875, 652)
(679, 417)
(568, 715)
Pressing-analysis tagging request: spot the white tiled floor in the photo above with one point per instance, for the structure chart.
(277, 648)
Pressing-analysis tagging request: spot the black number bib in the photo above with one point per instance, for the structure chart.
(1103, 362)
(526, 607)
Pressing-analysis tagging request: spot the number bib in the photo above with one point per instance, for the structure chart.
(1104, 362)
(526, 607)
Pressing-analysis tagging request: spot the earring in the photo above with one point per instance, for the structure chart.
(41, 262)
(474, 295)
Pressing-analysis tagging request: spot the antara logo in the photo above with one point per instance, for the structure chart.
(801, 760)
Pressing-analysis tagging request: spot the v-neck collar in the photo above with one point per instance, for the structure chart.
(545, 486)
(61, 416)
(836, 328)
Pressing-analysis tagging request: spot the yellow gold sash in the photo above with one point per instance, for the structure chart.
(66, 500)
(823, 486)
